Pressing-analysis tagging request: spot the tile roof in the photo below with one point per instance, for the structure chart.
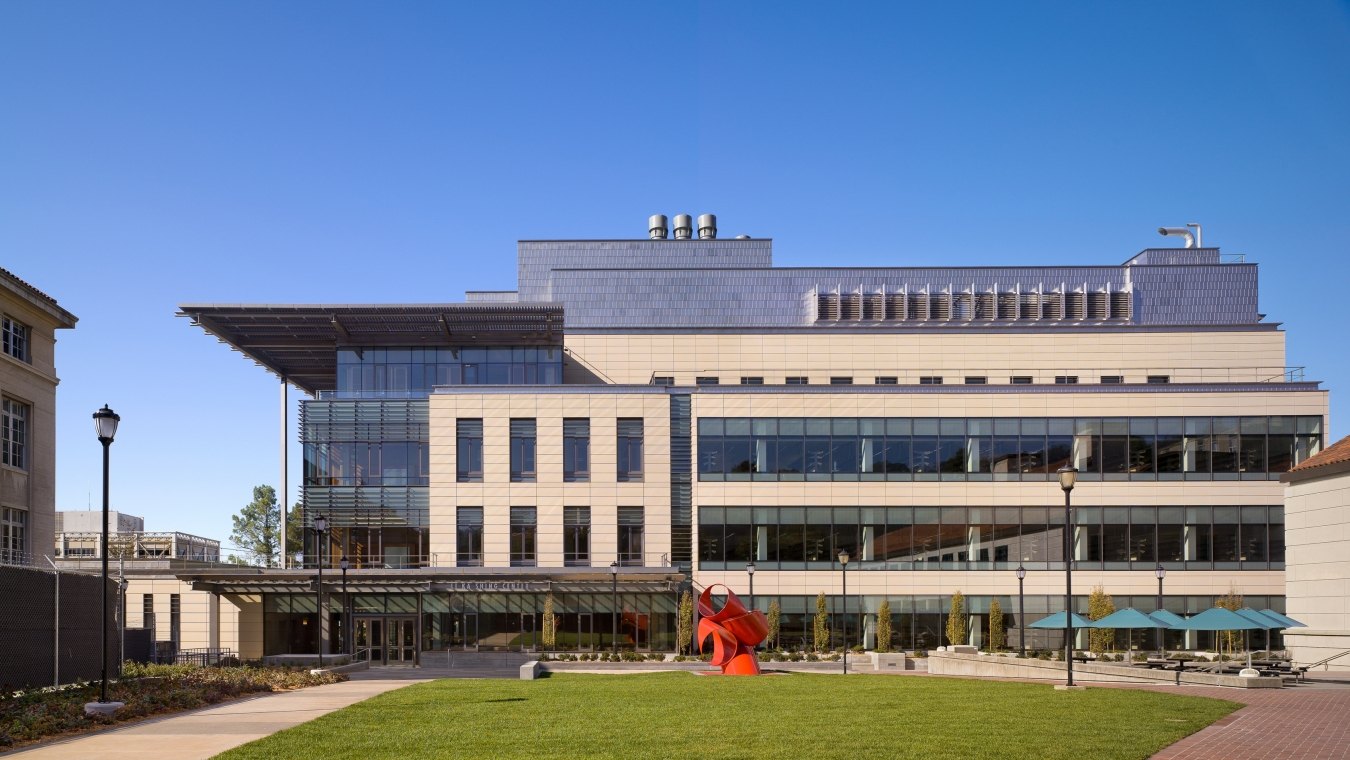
(33, 290)
(1333, 454)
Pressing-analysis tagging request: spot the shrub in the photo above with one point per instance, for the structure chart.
(775, 619)
(1099, 606)
(684, 624)
(996, 632)
(549, 624)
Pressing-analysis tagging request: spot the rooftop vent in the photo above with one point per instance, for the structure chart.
(1192, 240)
(707, 226)
(656, 227)
(684, 226)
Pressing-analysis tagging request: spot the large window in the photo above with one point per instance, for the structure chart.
(983, 538)
(577, 536)
(404, 372)
(523, 444)
(975, 449)
(13, 536)
(630, 449)
(14, 338)
(523, 537)
(14, 434)
(469, 450)
(630, 536)
(367, 463)
(576, 450)
(469, 536)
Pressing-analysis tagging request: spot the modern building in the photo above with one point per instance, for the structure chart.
(29, 320)
(643, 415)
(88, 521)
(1317, 513)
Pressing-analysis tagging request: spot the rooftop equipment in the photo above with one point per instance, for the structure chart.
(707, 226)
(684, 226)
(656, 227)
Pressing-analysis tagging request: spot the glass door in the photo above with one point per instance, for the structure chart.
(400, 641)
(370, 640)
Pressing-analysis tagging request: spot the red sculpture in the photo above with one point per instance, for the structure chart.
(735, 631)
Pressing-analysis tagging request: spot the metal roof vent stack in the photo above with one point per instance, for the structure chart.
(1199, 239)
(684, 226)
(707, 226)
(656, 227)
(1180, 232)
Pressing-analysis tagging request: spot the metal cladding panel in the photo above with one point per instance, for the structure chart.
(538, 259)
(1195, 294)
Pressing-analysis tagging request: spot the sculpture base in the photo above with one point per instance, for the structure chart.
(102, 708)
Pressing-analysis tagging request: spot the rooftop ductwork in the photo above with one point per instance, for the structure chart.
(1180, 232)
(656, 227)
(684, 226)
(707, 226)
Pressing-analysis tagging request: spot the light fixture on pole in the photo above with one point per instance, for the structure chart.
(105, 424)
(1160, 572)
(1021, 609)
(614, 612)
(344, 563)
(750, 573)
(1067, 477)
(843, 563)
(320, 525)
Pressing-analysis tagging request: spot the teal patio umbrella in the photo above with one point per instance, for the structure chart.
(1288, 621)
(1057, 621)
(1268, 622)
(1130, 619)
(1220, 619)
(1163, 616)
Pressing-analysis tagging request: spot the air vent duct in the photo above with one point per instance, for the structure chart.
(684, 226)
(707, 226)
(656, 227)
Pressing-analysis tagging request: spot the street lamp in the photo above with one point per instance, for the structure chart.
(1067, 476)
(105, 424)
(1160, 572)
(843, 562)
(614, 612)
(750, 571)
(1021, 609)
(344, 563)
(320, 525)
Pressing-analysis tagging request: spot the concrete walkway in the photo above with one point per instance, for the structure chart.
(211, 730)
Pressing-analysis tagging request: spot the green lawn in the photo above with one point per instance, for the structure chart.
(682, 715)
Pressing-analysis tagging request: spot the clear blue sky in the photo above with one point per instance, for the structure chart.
(159, 153)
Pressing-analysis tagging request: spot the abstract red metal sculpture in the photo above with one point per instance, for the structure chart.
(735, 632)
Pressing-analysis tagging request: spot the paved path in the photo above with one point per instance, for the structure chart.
(209, 731)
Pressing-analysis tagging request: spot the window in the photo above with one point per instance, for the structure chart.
(469, 450)
(1113, 379)
(841, 381)
(796, 380)
(752, 381)
(13, 536)
(175, 620)
(523, 534)
(976, 380)
(630, 536)
(14, 336)
(577, 536)
(886, 380)
(576, 450)
(1159, 379)
(663, 380)
(706, 380)
(14, 434)
(1020, 379)
(930, 380)
(469, 536)
(148, 613)
(630, 449)
(1066, 379)
(522, 450)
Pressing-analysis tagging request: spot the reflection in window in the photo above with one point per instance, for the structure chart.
(523, 444)
(630, 449)
(469, 536)
(469, 450)
(630, 543)
(576, 536)
(523, 537)
(576, 450)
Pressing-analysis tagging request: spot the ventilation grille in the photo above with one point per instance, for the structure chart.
(948, 303)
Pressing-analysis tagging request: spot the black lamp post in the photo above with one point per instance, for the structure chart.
(1160, 572)
(1067, 476)
(614, 613)
(344, 563)
(320, 525)
(843, 563)
(750, 573)
(1021, 609)
(105, 424)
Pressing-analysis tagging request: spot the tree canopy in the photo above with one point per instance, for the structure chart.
(256, 534)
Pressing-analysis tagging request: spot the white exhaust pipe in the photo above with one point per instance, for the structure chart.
(1180, 232)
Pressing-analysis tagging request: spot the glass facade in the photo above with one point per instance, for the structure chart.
(577, 536)
(404, 372)
(524, 444)
(1001, 449)
(469, 536)
(524, 537)
(990, 538)
(631, 533)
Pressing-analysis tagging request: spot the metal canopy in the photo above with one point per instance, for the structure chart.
(414, 580)
(299, 342)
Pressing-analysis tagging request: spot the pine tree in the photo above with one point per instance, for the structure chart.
(684, 624)
(775, 624)
(884, 627)
(821, 629)
(956, 620)
(1100, 605)
(996, 632)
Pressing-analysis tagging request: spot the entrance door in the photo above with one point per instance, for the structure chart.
(400, 641)
(469, 630)
(370, 640)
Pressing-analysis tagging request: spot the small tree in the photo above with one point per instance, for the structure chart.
(884, 627)
(1100, 605)
(1230, 640)
(821, 629)
(996, 633)
(956, 620)
(775, 623)
(549, 624)
(684, 624)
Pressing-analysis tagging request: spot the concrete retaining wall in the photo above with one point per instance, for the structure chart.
(952, 664)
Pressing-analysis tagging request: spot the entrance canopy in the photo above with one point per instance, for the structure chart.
(459, 579)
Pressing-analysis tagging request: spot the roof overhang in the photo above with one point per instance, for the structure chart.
(299, 342)
(417, 580)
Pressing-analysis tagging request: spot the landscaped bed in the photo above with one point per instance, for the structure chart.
(796, 716)
(147, 690)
